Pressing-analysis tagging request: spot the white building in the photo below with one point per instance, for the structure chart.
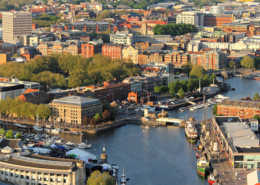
(217, 9)
(253, 123)
(216, 45)
(194, 45)
(10, 90)
(121, 38)
(193, 18)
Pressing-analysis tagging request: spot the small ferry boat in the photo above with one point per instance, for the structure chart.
(202, 166)
(211, 179)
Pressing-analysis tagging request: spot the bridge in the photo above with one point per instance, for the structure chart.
(192, 103)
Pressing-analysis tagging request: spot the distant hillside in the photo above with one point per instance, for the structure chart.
(6, 5)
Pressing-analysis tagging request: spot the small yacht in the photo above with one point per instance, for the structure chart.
(220, 96)
(18, 125)
(56, 131)
(37, 128)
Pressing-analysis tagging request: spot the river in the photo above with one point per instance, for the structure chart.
(162, 155)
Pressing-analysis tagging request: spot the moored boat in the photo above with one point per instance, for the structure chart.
(198, 155)
(56, 131)
(18, 125)
(211, 179)
(191, 132)
(202, 166)
(37, 128)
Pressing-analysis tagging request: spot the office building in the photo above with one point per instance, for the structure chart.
(121, 38)
(72, 109)
(240, 108)
(239, 142)
(193, 18)
(11, 90)
(16, 25)
(216, 9)
(217, 19)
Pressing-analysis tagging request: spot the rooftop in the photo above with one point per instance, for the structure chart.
(76, 100)
(241, 103)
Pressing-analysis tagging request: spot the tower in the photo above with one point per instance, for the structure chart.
(144, 29)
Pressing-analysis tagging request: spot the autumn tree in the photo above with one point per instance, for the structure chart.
(92, 121)
(86, 120)
(106, 115)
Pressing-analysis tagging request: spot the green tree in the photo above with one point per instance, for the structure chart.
(9, 134)
(103, 15)
(2, 132)
(256, 117)
(183, 85)
(248, 62)
(174, 87)
(18, 135)
(97, 178)
(215, 110)
(232, 64)
(164, 89)
(174, 29)
(108, 31)
(97, 116)
(45, 1)
(213, 77)
(186, 68)
(256, 96)
(181, 93)
(205, 82)
(198, 71)
(43, 111)
(157, 89)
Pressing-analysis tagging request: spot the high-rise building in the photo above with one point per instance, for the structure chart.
(188, 17)
(16, 25)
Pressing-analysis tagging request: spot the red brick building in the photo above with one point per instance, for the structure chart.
(135, 96)
(235, 27)
(112, 92)
(112, 50)
(88, 50)
(217, 19)
(34, 96)
(177, 58)
(241, 108)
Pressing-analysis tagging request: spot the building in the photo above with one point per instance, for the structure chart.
(239, 142)
(38, 169)
(121, 38)
(162, 67)
(72, 109)
(16, 25)
(34, 96)
(216, 9)
(111, 92)
(152, 38)
(135, 96)
(4, 58)
(146, 58)
(235, 27)
(216, 45)
(177, 58)
(11, 48)
(217, 19)
(209, 59)
(240, 108)
(88, 50)
(130, 53)
(112, 50)
(254, 125)
(70, 46)
(11, 90)
(193, 18)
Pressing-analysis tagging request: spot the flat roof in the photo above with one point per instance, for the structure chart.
(76, 100)
(241, 134)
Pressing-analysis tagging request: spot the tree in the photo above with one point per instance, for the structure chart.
(164, 89)
(213, 77)
(198, 71)
(157, 89)
(181, 93)
(232, 64)
(183, 85)
(103, 15)
(97, 178)
(186, 68)
(2, 132)
(256, 117)
(18, 135)
(256, 96)
(9, 134)
(205, 82)
(215, 110)
(248, 62)
(97, 116)
(174, 29)
(108, 31)
(178, 73)
(106, 115)
(92, 121)
(43, 111)
(86, 120)
(45, 1)
(174, 87)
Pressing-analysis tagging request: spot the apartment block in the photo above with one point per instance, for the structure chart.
(240, 108)
(217, 19)
(130, 53)
(112, 50)
(193, 18)
(16, 25)
(178, 59)
(88, 50)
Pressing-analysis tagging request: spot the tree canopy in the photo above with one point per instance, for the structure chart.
(9, 134)
(256, 96)
(198, 71)
(248, 62)
(52, 70)
(174, 29)
(232, 64)
(97, 178)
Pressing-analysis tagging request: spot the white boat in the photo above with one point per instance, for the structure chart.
(56, 131)
(82, 146)
(150, 109)
(88, 146)
(193, 108)
(47, 130)
(19, 125)
(37, 128)
(70, 144)
(220, 96)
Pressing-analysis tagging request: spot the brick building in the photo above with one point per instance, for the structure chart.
(177, 58)
(88, 50)
(147, 58)
(217, 19)
(111, 92)
(112, 50)
(4, 58)
(34, 96)
(240, 108)
(238, 27)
